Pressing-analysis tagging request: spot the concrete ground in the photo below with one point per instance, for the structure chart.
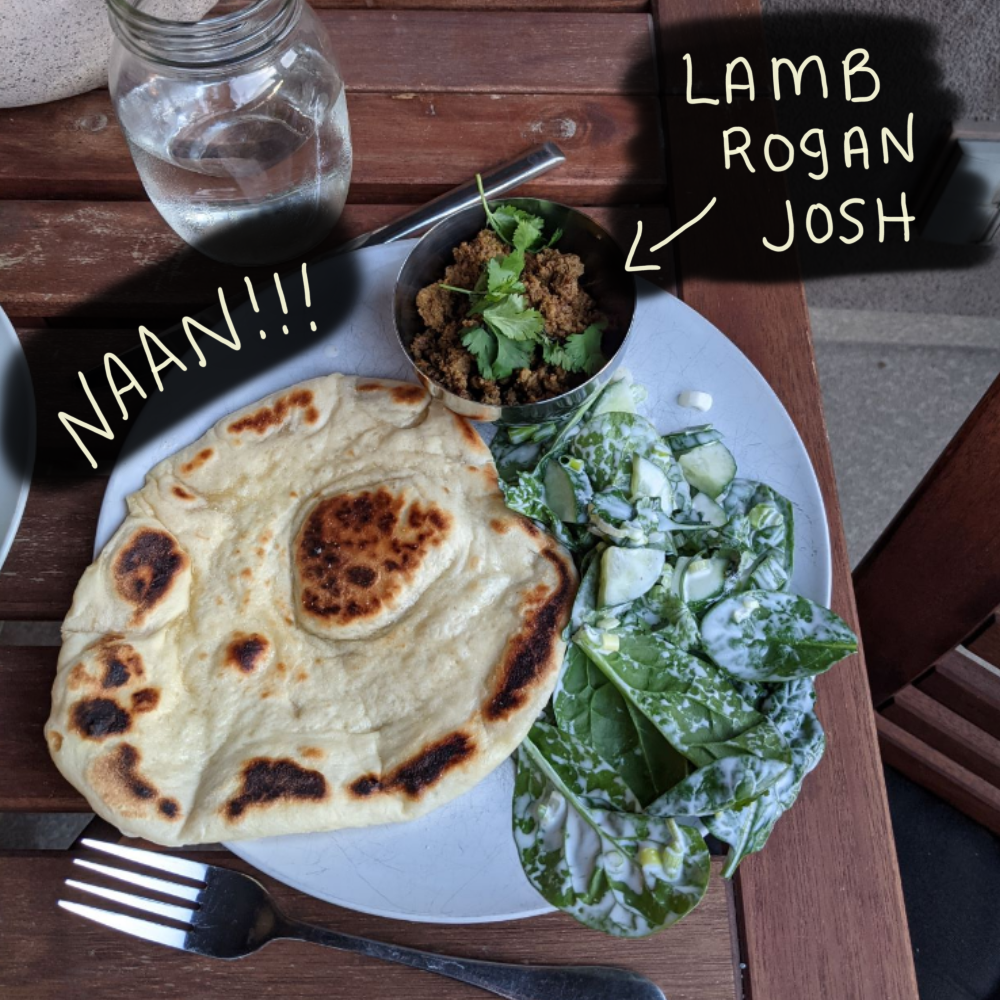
(896, 387)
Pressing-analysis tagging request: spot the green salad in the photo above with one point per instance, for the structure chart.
(685, 705)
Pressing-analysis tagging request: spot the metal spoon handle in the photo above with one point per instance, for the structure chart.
(524, 168)
(516, 982)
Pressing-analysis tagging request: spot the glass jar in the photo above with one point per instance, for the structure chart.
(237, 124)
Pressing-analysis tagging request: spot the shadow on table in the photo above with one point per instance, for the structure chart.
(726, 245)
(332, 295)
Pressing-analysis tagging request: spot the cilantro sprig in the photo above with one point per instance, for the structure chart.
(515, 226)
(509, 328)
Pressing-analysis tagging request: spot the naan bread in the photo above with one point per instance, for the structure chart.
(319, 615)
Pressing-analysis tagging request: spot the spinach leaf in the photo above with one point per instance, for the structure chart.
(738, 498)
(606, 444)
(588, 850)
(585, 603)
(527, 496)
(588, 706)
(690, 702)
(787, 705)
(668, 615)
(727, 783)
(746, 829)
(761, 635)
(765, 494)
(761, 520)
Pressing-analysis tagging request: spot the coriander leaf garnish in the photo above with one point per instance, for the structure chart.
(482, 345)
(510, 355)
(527, 232)
(511, 319)
(516, 227)
(580, 352)
(503, 274)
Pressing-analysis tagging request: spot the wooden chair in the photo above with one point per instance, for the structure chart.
(927, 596)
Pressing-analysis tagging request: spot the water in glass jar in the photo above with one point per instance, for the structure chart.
(241, 171)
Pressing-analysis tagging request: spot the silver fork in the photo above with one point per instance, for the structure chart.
(228, 915)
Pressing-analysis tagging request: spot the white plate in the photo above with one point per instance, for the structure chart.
(17, 434)
(459, 864)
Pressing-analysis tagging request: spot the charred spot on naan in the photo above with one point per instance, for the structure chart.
(405, 395)
(488, 471)
(182, 494)
(247, 652)
(146, 568)
(528, 526)
(530, 655)
(145, 700)
(169, 808)
(197, 462)
(502, 525)
(118, 777)
(415, 775)
(98, 718)
(355, 552)
(122, 663)
(262, 420)
(265, 781)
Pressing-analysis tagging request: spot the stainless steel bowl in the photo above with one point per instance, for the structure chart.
(605, 277)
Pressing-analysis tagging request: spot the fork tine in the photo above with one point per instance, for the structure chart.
(169, 910)
(191, 892)
(165, 862)
(146, 929)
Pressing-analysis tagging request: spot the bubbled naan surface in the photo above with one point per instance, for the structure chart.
(320, 614)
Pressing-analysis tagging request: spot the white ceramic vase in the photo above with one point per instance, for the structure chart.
(57, 48)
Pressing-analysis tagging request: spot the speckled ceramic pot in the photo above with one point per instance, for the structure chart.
(58, 48)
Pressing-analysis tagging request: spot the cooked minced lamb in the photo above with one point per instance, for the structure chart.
(552, 286)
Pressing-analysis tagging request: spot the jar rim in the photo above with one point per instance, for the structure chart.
(223, 39)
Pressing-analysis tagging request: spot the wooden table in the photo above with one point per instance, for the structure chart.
(437, 90)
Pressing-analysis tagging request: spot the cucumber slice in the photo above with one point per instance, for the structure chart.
(692, 437)
(677, 579)
(626, 574)
(709, 511)
(649, 480)
(709, 468)
(616, 398)
(567, 490)
(703, 579)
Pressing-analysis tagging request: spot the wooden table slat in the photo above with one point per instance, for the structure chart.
(75, 149)
(48, 953)
(518, 6)
(52, 547)
(76, 259)
(29, 781)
